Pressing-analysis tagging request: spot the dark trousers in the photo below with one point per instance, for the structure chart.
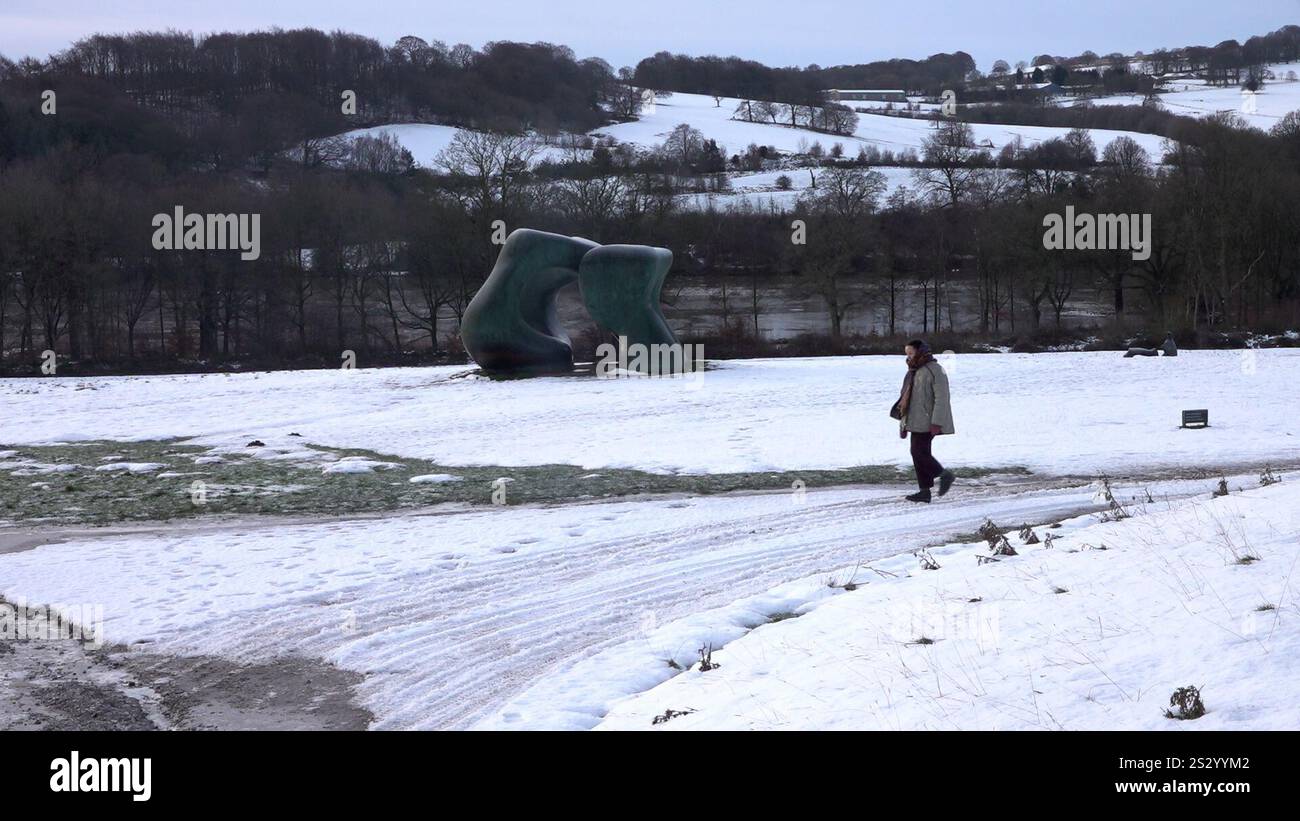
(927, 467)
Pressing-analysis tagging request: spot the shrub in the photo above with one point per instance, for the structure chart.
(1186, 704)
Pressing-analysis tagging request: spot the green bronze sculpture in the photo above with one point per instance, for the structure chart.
(510, 326)
(620, 287)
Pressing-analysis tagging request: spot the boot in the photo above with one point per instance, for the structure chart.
(922, 495)
(945, 481)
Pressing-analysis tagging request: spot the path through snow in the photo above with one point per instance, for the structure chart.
(522, 617)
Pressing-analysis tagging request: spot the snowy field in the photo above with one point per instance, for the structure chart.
(882, 131)
(1080, 413)
(425, 141)
(593, 614)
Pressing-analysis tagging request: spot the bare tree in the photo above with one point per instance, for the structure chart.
(684, 145)
(381, 154)
(840, 206)
(767, 110)
(493, 162)
(948, 176)
(593, 202)
(1126, 159)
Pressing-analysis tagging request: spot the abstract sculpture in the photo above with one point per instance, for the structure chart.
(620, 287)
(511, 326)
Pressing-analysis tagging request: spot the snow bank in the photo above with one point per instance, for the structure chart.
(434, 479)
(358, 464)
(1094, 632)
(131, 467)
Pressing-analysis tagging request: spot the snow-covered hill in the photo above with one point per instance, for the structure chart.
(885, 132)
(714, 121)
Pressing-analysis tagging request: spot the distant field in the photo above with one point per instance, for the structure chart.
(1193, 98)
(1054, 413)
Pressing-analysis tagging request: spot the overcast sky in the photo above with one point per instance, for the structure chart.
(776, 33)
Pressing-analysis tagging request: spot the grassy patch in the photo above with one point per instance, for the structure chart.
(60, 484)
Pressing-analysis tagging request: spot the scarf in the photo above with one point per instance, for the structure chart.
(922, 358)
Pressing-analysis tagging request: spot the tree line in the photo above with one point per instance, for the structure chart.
(362, 251)
(205, 82)
(748, 79)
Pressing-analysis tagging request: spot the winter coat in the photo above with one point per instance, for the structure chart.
(930, 403)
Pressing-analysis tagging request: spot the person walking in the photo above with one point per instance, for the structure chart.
(924, 410)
